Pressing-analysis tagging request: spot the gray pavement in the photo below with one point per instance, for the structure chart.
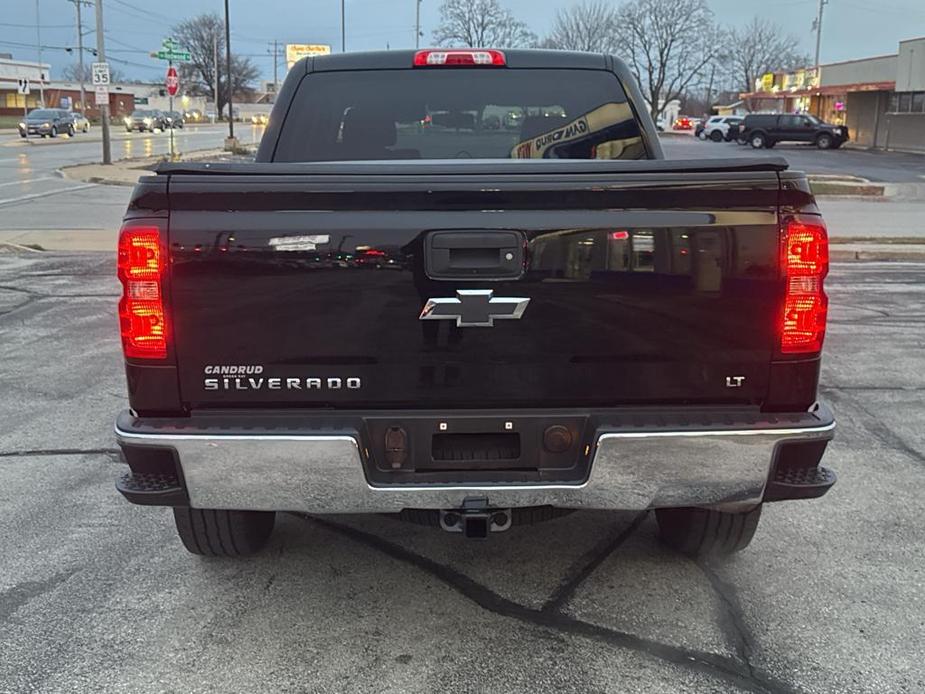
(34, 197)
(851, 217)
(98, 595)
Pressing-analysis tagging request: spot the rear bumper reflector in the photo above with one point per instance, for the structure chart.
(632, 468)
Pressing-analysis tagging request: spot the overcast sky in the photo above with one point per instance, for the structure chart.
(851, 29)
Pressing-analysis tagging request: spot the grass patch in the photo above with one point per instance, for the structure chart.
(10, 121)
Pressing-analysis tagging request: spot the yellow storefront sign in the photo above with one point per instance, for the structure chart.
(296, 51)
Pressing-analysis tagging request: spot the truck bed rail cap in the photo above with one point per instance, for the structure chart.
(437, 167)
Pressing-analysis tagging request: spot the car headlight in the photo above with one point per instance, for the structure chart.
(22, 125)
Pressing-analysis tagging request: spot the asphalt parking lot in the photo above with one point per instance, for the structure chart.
(97, 595)
(886, 167)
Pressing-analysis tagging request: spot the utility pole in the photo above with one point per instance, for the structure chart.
(80, 55)
(101, 57)
(275, 68)
(228, 76)
(218, 116)
(38, 42)
(818, 28)
(343, 27)
(417, 24)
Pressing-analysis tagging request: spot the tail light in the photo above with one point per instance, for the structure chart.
(457, 57)
(141, 266)
(805, 263)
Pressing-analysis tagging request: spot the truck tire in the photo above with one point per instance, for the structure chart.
(219, 533)
(716, 136)
(699, 531)
(757, 140)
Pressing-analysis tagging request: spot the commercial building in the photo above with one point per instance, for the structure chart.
(12, 71)
(881, 99)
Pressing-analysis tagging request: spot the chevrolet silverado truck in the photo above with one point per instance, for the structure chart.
(402, 308)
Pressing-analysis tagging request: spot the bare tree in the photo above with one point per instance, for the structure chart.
(72, 73)
(202, 35)
(480, 24)
(590, 26)
(667, 44)
(759, 47)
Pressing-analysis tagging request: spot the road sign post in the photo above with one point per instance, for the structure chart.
(172, 82)
(25, 89)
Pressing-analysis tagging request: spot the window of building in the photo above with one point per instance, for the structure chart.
(918, 102)
(907, 102)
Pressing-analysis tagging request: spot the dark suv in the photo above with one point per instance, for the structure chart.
(767, 129)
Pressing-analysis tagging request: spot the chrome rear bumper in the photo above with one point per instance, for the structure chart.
(631, 469)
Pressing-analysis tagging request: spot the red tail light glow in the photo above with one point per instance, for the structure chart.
(805, 263)
(141, 311)
(459, 57)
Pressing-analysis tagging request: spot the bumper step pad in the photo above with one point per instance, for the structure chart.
(800, 483)
(153, 489)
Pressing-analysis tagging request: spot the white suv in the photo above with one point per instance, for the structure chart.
(717, 127)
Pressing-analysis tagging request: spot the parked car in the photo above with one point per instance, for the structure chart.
(145, 120)
(173, 119)
(47, 122)
(767, 129)
(81, 122)
(718, 127)
(484, 381)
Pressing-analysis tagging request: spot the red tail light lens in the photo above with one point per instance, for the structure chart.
(141, 311)
(805, 263)
(456, 57)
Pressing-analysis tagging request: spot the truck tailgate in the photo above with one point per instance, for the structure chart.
(639, 282)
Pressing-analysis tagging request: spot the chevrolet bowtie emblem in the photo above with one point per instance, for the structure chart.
(473, 308)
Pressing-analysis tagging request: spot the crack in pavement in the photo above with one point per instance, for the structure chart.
(13, 598)
(585, 565)
(731, 670)
(880, 429)
(733, 621)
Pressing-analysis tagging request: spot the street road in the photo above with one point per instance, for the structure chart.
(34, 196)
(99, 596)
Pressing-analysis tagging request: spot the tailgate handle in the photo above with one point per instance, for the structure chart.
(476, 254)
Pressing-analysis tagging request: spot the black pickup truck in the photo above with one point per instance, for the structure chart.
(464, 287)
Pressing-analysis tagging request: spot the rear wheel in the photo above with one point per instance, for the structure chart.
(219, 533)
(700, 531)
(824, 141)
(758, 140)
(716, 136)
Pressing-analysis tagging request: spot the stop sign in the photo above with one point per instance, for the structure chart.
(172, 81)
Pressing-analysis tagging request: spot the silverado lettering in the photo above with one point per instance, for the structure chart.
(471, 293)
